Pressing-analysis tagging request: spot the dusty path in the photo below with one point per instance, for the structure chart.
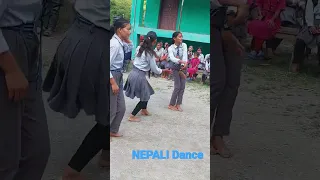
(276, 128)
(165, 130)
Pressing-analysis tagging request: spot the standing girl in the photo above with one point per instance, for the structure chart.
(77, 80)
(122, 31)
(137, 84)
(178, 55)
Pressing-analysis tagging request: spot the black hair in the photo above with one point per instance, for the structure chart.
(147, 46)
(119, 24)
(197, 54)
(174, 35)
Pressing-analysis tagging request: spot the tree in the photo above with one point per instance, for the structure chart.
(120, 8)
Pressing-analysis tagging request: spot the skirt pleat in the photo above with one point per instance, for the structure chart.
(79, 73)
(138, 86)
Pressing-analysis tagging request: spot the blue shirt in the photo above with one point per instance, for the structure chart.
(116, 54)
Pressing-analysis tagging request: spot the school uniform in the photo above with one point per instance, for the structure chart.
(77, 78)
(179, 82)
(24, 137)
(118, 108)
(206, 72)
(225, 75)
(137, 84)
(159, 53)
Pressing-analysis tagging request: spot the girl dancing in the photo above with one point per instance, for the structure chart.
(137, 84)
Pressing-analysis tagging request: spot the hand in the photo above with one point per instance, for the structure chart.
(17, 85)
(313, 30)
(271, 23)
(242, 14)
(182, 62)
(166, 70)
(115, 88)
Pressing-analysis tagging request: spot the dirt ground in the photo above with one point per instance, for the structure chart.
(276, 126)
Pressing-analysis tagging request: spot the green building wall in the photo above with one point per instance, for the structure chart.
(195, 16)
(195, 22)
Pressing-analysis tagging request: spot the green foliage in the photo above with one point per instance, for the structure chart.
(120, 8)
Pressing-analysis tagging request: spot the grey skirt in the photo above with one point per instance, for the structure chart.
(79, 76)
(138, 86)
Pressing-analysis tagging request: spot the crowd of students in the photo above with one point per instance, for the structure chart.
(267, 17)
(196, 61)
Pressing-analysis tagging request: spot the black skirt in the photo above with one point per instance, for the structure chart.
(79, 74)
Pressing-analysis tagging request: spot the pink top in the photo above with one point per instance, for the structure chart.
(259, 28)
(194, 62)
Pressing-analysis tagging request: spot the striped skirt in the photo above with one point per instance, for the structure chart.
(79, 75)
(138, 86)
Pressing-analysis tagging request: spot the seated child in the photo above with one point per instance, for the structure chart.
(206, 73)
(194, 63)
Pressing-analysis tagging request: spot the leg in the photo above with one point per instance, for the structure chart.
(31, 148)
(298, 55)
(121, 109)
(276, 43)
(218, 78)
(224, 110)
(257, 48)
(136, 110)
(95, 140)
(177, 85)
(10, 133)
(53, 16)
(203, 78)
(35, 142)
(180, 93)
(144, 110)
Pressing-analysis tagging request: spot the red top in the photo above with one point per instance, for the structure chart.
(260, 28)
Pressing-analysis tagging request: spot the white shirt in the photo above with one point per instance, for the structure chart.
(146, 62)
(159, 52)
(207, 62)
(183, 53)
(116, 54)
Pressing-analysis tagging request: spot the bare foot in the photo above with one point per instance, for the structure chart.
(218, 147)
(173, 108)
(295, 68)
(134, 118)
(145, 112)
(104, 161)
(71, 174)
(115, 135)
(179, 108)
